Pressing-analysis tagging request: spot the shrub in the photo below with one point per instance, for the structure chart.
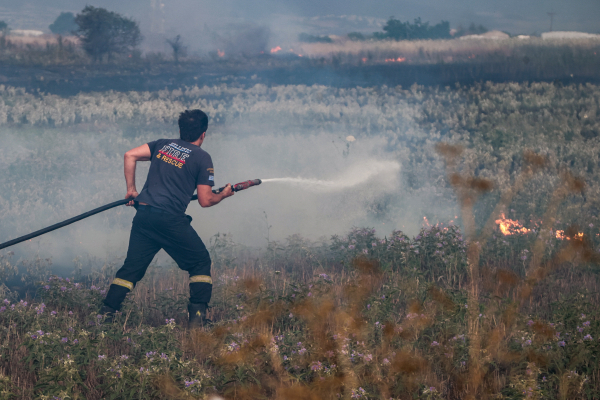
(64, 24)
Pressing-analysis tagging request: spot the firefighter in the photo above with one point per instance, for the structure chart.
(178, 167)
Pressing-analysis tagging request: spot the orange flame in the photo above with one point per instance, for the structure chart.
(560, 234)
(275, 49)
(510, 227)
(220, 53)
(399, 59)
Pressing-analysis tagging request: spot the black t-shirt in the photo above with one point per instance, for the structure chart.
(176, 168)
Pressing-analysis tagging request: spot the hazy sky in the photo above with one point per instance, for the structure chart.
(286, 18)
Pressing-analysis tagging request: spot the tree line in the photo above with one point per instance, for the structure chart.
(395, 29)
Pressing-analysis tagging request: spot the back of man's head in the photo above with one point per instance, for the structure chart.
(192, 124)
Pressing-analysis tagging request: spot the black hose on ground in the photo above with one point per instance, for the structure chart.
(69, 222)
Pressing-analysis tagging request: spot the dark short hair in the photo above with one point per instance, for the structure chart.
(192, 124)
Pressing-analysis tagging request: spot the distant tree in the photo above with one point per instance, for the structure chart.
(471, 30)
(64, 23)
(3, 27)
(306, 38)
(104, 32)
(356, 36)
(398, 30)
(179, 50)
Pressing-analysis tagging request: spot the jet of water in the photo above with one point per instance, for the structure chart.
(354, 176)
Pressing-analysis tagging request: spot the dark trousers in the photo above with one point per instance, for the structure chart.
(151, 231)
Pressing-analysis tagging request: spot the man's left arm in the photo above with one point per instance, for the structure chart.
(141, 153)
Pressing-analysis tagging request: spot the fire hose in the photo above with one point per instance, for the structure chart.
(236, 188)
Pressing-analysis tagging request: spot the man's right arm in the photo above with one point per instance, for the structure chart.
(207, 198)
(141, 153)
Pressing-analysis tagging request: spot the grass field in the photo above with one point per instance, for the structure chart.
(457, 310)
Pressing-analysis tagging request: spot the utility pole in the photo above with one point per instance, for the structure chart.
(551, 14)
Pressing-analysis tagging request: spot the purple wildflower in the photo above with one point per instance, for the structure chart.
(316, 366)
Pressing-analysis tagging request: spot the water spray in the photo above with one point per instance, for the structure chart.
(357, 175)
(236, 188)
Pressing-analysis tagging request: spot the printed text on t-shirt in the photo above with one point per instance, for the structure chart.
(174, 154)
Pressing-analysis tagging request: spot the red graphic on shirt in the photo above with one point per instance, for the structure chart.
(170, 156)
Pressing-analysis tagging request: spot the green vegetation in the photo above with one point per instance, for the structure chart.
(398, 30)
(106, 33)
(395, 29)
(64, 24)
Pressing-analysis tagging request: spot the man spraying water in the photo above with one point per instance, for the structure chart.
(178, 167)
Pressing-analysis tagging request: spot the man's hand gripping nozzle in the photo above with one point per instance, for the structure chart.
(240, 186)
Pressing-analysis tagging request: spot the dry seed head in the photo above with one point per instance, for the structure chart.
(248, 393)
(356, 293)
(415, 307)
(389, 329)
(526, 291)
(573, 184)
(456, 180)
(509, 315)
(509, 357)
(449, 151)
(441, 297)
(296, 392)
(536, 357)
(534, 160)
(543, 330)
(494, 339)
(218, 332)
(408, 363)
(167, 387)
(366, 266)
(203, 344)
(252, 285)
(507, 277)
(262, 318)
(480, 185)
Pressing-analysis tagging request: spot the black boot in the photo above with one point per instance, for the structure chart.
(197, 315)
(108, 313)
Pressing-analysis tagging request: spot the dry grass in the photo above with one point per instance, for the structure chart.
(433, 51)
